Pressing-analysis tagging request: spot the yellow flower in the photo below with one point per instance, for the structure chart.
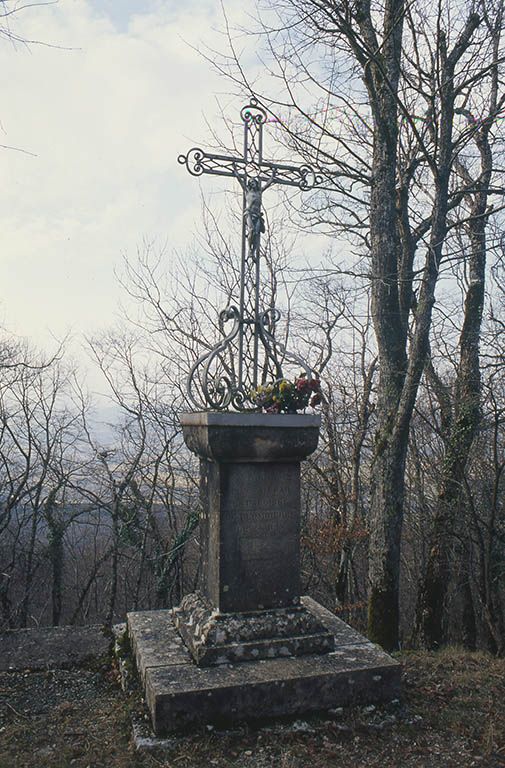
(283, 386)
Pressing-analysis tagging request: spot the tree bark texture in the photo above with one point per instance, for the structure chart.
(463, 420)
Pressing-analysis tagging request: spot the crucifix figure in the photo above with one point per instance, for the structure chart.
(248, 353)
(255, 223)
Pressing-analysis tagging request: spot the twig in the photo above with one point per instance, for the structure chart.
(19, 714)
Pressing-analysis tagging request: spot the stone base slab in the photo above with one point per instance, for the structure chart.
(179, 693)
(51, 647)
(223, 638)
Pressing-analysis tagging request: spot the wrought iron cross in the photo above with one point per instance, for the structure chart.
(248, 354)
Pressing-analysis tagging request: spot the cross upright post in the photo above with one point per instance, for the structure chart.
(225, 375)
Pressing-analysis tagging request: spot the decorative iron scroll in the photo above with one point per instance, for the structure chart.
(198, 162)
(248, 353)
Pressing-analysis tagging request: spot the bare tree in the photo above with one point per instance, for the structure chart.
(146, 486)
(460, 404)
(393, 152)
(37, 443)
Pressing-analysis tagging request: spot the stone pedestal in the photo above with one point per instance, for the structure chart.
(249, 606)
(248, 634)
(250, 486)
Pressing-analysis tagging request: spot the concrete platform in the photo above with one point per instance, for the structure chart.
(51, 647)
(179, 693)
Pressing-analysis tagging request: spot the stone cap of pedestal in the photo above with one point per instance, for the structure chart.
(239, 437)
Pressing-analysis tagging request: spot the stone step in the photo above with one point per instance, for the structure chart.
(179, 693)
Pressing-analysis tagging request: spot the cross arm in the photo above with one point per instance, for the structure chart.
(301, 176)
(198, 162)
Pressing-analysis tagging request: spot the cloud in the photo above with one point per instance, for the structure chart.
(106, 121)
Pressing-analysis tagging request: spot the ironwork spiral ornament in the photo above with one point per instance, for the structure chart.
(270, 317)
(211, 380)
(193, 161)
(309, 178)
(253, 112)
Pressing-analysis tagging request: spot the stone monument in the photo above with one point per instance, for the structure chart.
(248, 644)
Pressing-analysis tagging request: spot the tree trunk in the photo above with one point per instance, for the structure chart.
(5, 601)
(465, 421)
(384, 551)
(29, 573)
(389, 457)
(56, 551)
(114, 566)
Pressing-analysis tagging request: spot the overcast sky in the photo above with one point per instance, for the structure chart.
(97, 130)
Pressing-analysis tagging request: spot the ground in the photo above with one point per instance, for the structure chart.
(451, 714)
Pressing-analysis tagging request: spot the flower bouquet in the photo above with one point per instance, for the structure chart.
(285, 396)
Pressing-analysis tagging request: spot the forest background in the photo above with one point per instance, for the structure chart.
(400, 312)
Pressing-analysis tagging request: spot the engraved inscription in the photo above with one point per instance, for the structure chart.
(267, 549)
(258, 507)
(268, 523)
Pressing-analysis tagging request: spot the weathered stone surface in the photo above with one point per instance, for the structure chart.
(180, 694)
(155, 640)
(251, 437)
(250, 535)
(221, 638)
(249, 691)
(279, 645)
(343, 633)
(250, 491)
(51, 647)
